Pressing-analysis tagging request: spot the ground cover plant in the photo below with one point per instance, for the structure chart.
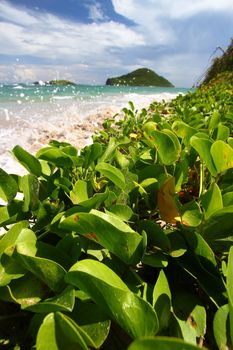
(126, 244)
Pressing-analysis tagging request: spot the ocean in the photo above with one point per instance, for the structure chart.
(31, 115)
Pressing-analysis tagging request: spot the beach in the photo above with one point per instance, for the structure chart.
(31, 116)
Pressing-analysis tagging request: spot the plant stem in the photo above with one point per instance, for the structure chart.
(201, 188)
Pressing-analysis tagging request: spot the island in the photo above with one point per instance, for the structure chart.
(55, 82)
(140, 77)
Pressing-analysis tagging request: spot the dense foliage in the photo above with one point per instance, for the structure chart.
(220, 64)
(126, 244)
(140, 77)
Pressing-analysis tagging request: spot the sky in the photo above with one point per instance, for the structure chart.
(88, 41)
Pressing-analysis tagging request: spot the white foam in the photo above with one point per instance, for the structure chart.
(65, 118)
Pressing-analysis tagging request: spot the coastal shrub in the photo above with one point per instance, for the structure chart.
(127, 243)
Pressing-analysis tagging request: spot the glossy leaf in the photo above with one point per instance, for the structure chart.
(223, 132)
(27, 160)
(55, 156)
(62, 302)
(219, 225)
(112, 173)
(109, 231)
(132, 313)
(221, 327)
(203, 146)
(212, 200)
(92, 320)
(91, 154)
(222, 155)
(25, 291)
(162, 300)
(79, 192)
(183, 131)
(48, 271)
(230, 289)
(57, 333)
(167, 146)
(30, 186)
(9, 239)
(162, 343)
(8, 186)
(190, 316)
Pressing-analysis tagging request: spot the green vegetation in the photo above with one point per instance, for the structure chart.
(61, 82)
(221, 64)
(140, 77)
(127, 244)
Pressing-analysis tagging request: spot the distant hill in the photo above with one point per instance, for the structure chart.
(140, 77)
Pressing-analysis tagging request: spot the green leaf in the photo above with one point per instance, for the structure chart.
(219, 225)
(9, 239)
(211, 200)
(91, 154)
(30, 186)
(222, 155)
(52, 336)
(190, 316)
(10, 269)
(11, 213)
(61, 302)
(79, 192)
(112, 173)
(109, 231)
(214, 120)
(124, 212)
(95, 201)
(162, 300)
(162, 343)
(203, 147)
(223, 132)
(230, 289)
(8, 186)
(26, 291)
(167, 146)
(227, 199)
(107, 290)
(192, 215)
(221, 327)
(55, 156)
(27, 160)
(155, 259)
(92, 320)
(48, 271)
(183, 131)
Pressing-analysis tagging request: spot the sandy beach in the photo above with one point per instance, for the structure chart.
(33, 124)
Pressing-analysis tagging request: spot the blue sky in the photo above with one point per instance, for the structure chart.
(88, 41)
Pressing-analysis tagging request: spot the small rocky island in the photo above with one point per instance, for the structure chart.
(55, 82)
(140, 77)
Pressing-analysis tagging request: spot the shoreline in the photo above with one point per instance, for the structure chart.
(69, 126)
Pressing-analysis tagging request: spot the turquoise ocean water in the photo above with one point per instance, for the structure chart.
(30, 113)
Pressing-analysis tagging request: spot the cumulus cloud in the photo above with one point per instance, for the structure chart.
(52, 37)
(173, 37)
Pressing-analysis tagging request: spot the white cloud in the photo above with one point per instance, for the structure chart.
(96, 12)
(171, 37)
(136, 9)
(52, 37)
(156, 18)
